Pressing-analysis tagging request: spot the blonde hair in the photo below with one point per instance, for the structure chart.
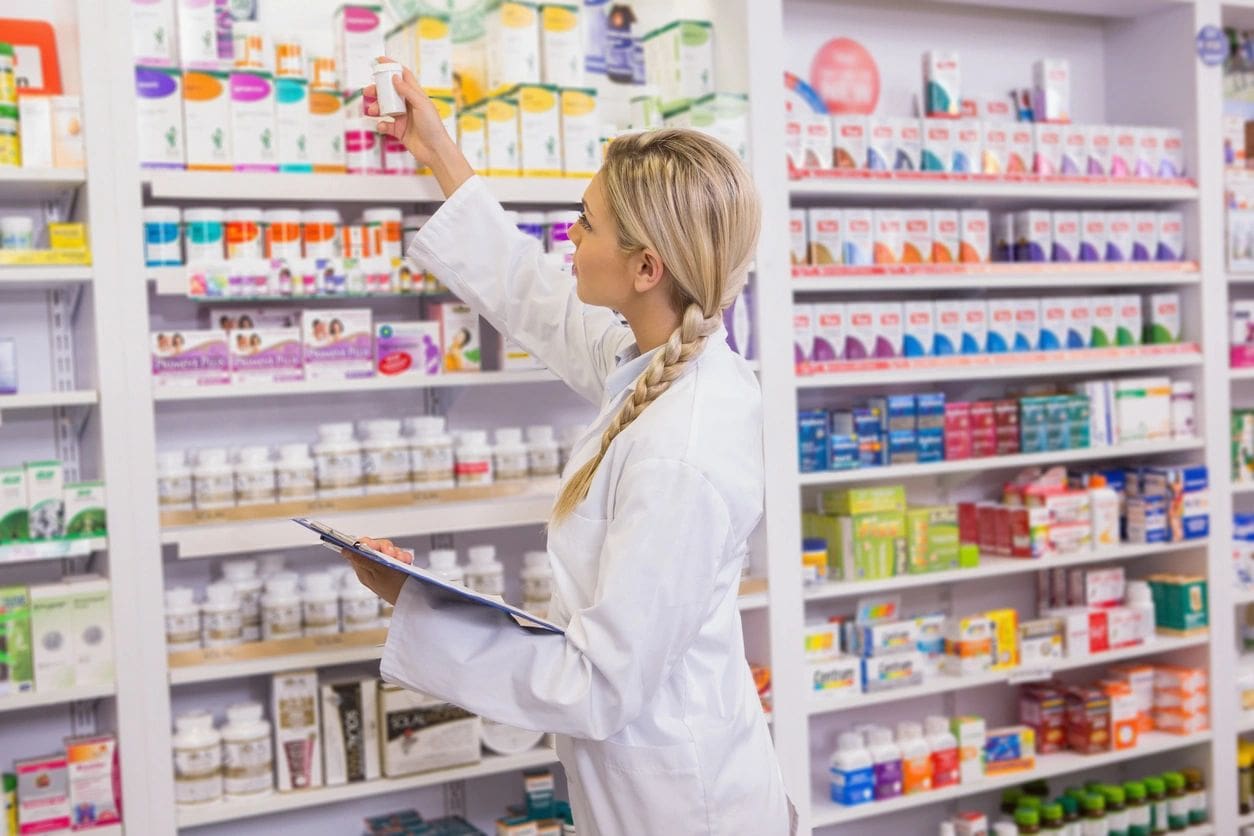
(688, 198)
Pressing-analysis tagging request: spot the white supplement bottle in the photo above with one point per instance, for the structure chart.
(391, 103)
(1104, 513)
(473, 464)
(444, 565)
(220, 623)
(295, 474)
(485, 574)
(886, 760)
(852, 776)
(283, 234)
(509, 456)
(430, 453)
(507, 740)
(247, 752)
(537, 583)
(182, 620)
(174, 482)
(206, 241)
(543, 455)
(163, 237)
(944, 748)
(254, 476)
(281, 608)
(383, 228)
(337, 460)
(242, 574)
(386, 457)
(269, 565)
(320, 604)
(320, 231)
(197, 759)
(359, 606)
(1141, 601)
(244, 237)
(213, 480)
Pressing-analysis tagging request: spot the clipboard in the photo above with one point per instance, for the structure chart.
(337, 540)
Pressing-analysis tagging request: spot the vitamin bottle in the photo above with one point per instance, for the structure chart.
(206, 241)
(213, 480)
(244, 233)
(852, 773)
(182, 620)
(162, 242)
(1005, 828)
(509, 455)
(1141, 601)
(337, 462)
(386, 457)
(886, 761)
(247, 753)
(283, 233)
(242, 575)
(281, 608)
(944, 748)
(1028, 821)
(295, 474)
(320, 605)
(220, 624)
(1116, 811)
(359, 606)
(269, 565)
(1104, 513)
(1177, 802)
(174, 482)
(543, 455)
(197, 759)
(254, 476)
(1095, 815)
(485, 574)
(473, 464)
(444, 565)
(537, 583)
(1195, 789)
(1071, 815)
(916, 758)
(430, 453)
(1052, 820)
(1138, 809)
(383, 226)
(1156, 794)
(1010, 800)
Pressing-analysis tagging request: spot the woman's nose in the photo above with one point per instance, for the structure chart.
(575, 234)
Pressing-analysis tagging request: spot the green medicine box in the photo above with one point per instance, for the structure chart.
(1179, 604)
(932, 539)
(888, 498)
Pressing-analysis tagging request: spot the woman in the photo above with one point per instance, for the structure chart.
(660, 728)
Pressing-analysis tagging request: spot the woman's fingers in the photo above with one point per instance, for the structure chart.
(408, 87)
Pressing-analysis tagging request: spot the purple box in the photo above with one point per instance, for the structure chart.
(339, 344)
(407, 349)
(190, 358)
(266, 355)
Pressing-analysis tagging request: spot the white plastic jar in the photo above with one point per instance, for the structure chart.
(507, 740)
(385, 456)
(163, 245)
(247, 752)
(383, 227)
(444, 565)
(543, 455)
(359, 606)
(244, 238)
(485, 574)
(242, 575)
(283, 233)
(509, 455)
(17, 232)
(269, 565)
(281, 608)
(473, 464)
(320, 605)
(537, 583)
(320, 232)
(204, 229)
(220, 622)
(254, 476)
(431, 460)
(174, 482)
(337, 459)
(391, 102)
(182, 620)
(213, 480)
(295, 474)
(197, 759)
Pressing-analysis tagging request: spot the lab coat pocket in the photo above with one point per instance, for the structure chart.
(644, 789)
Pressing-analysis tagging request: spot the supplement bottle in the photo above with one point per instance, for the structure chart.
(242, 575)
(1104, 513)
(386, 457)
(852, 773)
(254, 477)
(174, 482)
(473, 463)
(247, 753)
(1052, 820)
(537, 583)
(1140, 599)
(944, 748)
(213, 480)
(946, 829)
(916, 758)
(430, 453)
(269, 565)
(886, 761)
(1095, 815)
(383, 226)
(1005, 828)
(1138, 809)
(182, 620)
(320, 605)
(509, 455)
(162, 242)
(1116, 811)
(485, 574)
(1156, 794)
(1010, 800)
(1177, 802)
(318, 231)
(359, 606)
(444, 565)
(1195, 790)
(220, 624)
(1071, 815)
(197, 759)
(206, 237)
(244, 233)
(543, 455)
(283, 233)
(337, 462)
(281, 608)
(295, 474)
(1028, 821)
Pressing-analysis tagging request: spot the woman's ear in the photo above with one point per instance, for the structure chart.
(648, 270)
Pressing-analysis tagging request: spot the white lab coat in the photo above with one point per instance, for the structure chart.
(658, 721)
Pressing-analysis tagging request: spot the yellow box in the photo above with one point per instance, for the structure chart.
(67, 236)
(1005, 638)
(423, 42)
(539, 130)
(502, 113)
(472, 136)
(581, 145)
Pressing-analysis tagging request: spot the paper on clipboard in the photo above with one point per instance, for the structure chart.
(337, 540)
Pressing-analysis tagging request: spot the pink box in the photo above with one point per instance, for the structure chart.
(338, 344)
(190, 358)
(266, 355)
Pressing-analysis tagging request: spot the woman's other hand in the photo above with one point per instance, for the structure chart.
(384, 582)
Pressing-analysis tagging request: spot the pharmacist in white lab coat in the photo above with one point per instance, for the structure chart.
(658, 720)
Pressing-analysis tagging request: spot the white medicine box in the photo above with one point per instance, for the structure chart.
(418, 733)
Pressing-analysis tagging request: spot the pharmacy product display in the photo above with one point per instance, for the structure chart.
(37, 131)
(26, 242)
(56, 636)
(37, 504)
(539, 812)
(1241, 333)
(77, 788)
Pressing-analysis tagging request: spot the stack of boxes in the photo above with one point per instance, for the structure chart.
(37, 504)
(56, 636)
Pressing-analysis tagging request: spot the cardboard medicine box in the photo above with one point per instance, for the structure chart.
(14, 506)
(17, 671)
(418, 733)
(85, 509)
(45, 496)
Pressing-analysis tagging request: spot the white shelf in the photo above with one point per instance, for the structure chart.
(1241, 278)
(986, 282)
(1242, 596)
(1019, 460)
(235, 809)
(350, 188)
(274, 664)
(1245, 723)
(47, 400)
(994, 567)
(42, 699)
(756, 601)
(51, 549)
(333, 387)
(949, 684)
(1000, 366)
(42, 278)
(875, 189)
(825, 812)
(38, 184)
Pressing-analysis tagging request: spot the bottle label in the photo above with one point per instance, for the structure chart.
(887, 779)
(212, 491)
(510, 465)
(387, 467)
(296, 482)
(542, 462)
(247, 766)
(1159, 821)
(321, 617)
(944, 767)
(220, 629)
(1178, 813)
(853, 786)
(182, 630)
(197, 774)
(281, 622)
(174, 490)
(916, 775)
(257, 486)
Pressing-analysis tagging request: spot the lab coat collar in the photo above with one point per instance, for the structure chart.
(630, 363)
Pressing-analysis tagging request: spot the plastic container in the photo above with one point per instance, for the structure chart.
(182, 620)
(391, 102)
(385, 456)
(1052, 820)
(1140, 599)
(247, 752)
(852, 773)
(338, 462)
(254, 477)
(537, 583)
(383, 227)
(916, 758)
(319, 232)
(1177, 802)
(244, 233)
(444, 564)
(289, 58)
(269, 565)
(205, 231)
(281, 608)
(1095, 815)
(359, 606)
(543, 455)
(1104, 513)
(295, 474)
(163, 246)
(1195, 790)
(220, 623)
(1116, 810)
(1027, 822)
(507, 740)
(242, 575)
(320, 605)
(1156, 794)
(944, 752)
(473, 459)
(886, 762)
(197, 759)
(283, 233)
(174, 482)
(1138, 809)
(431, 459)
(509, 455)
(213, 480)
(485, 574)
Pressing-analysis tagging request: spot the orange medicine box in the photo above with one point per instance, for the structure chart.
(1177, 721)
(1123, 715)
(1180, 678)
(1140, 678)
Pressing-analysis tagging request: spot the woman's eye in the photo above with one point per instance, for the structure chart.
(583, 221)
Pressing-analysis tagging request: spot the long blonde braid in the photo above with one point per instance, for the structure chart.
(690, 199)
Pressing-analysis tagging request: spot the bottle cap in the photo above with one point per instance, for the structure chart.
(482, 555)
(319, 582)
(244, 712)
(1027, 817)
(1173, 780)
(1135, 791)
(848, 742)
(907, 730)
(221, 593)
(442, 559)
(936, 725)
(536, 560)
(179, 597)
(1154, 785)
(1094, 803)
(509, 436)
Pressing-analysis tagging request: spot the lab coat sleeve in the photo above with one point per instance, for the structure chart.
(662, 551)
(501, 272)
